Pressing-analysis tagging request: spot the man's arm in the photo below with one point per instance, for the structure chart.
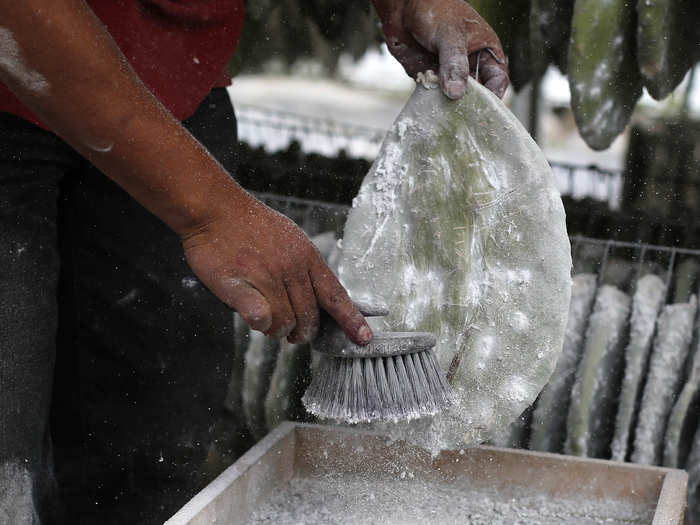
(60, 61)
(445, 36)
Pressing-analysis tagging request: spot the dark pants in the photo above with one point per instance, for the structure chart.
(114, 359)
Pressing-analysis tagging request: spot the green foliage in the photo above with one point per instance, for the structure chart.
(611, 44)
(668, 42)
(287, 30)
(603, 75)
(550, 31)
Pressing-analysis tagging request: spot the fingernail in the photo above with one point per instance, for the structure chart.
(455, 88)
(364, 334)
(265, 324)
(260, 323)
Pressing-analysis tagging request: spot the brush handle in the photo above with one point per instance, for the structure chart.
(383, 344)
(372, 309)
(331, 339)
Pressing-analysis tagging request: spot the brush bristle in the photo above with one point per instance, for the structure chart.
(370, 389)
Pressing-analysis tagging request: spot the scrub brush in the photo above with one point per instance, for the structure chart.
(395, 377)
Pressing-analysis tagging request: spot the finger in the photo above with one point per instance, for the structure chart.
(283, 319)
(412, 56)
(454, 65)
(333, 298)
(249, 303)
(303, 300)
(493, 73)
(450, 40)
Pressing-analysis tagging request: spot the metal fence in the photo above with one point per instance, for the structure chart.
(640, 257)
(312, 216)
(275, 130)
(318, 216)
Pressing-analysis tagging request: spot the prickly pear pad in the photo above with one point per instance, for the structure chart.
(459, 229)
(668, 39)
(603, 76)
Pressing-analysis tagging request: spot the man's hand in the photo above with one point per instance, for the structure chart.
(60, 61)
(447, 36)
(263, 266)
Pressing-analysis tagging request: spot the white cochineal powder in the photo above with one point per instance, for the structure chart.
(549, 416)
(683, 414)
(648, 298)
(594, 396)
(671, 345)
(460, 230)
(353, 501)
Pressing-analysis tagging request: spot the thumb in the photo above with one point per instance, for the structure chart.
(249, 303)
(454, 64)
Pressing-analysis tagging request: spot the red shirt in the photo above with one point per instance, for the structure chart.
(179, 48)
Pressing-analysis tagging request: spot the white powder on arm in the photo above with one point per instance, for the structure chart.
(12, 64)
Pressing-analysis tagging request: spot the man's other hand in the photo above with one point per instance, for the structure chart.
(447, 36)
(263, 266)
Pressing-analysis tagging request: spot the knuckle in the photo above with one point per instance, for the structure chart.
(296, 277)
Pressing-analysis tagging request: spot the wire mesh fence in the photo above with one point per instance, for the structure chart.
(588, 254)
(275, 130)
(312, 216)
(623, 262)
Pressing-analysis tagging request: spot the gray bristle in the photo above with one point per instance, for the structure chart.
(343, 404)
(437, 382)
(335, 403)
(327, 403)
(419, 390)
(377, 388)
(425, 398)
(411, 403)
(432, 381)
(313, 398)
(387, 402)
(374, 401)
(358, 394)
(397, 393)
